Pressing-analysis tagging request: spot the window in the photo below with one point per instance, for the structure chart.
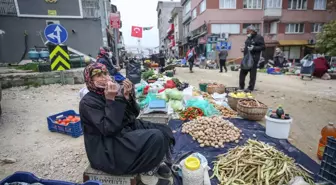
(252, 4)
(187, 7)
(295, 28)
(274, 28)
(256, 25)
(194, 13)
(320, 4)
(225, 28)
(90, 8)
(297, 4)
(203, 6)
(317, 27)
(186, 29)
(273, 4)
(227, 4)
(294, 52)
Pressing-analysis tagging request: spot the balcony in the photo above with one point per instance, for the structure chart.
(272, 13)
(270, 36)
(186, 17)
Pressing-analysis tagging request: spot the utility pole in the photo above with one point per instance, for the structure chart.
(116, 33)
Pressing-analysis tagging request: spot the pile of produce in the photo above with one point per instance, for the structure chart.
(66, 121)
(252, 103)
(279, 113)
(214, 87)
(150, 74)
(179, 85)
(154, 65)
(191, 113)
(206, 95)
(240, 95)
(225, 111)
(256, 163)
(214, 131)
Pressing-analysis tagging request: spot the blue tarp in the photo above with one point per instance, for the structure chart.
(185, 144)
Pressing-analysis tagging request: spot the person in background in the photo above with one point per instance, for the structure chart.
(222, 59)
(279, 58)
(255, 44)
(115, 141)
(162, 61)
(321, 66)
(191, 56)
(105, 57)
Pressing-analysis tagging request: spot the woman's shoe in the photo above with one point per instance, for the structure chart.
(164, 171)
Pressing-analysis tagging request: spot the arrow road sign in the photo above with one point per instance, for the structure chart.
(56, 33)
(59, 57)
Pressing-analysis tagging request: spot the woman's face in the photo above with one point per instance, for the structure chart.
(100, 80)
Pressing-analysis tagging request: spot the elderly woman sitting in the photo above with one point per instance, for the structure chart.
(115, 141)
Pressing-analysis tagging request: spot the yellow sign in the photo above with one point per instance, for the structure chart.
(52, 12)
(50, 1)
(59, 58)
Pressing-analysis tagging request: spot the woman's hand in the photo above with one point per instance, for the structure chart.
(111, 90)
(128, 87)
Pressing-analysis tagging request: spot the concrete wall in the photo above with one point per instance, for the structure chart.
(87, 37)
(166, 8)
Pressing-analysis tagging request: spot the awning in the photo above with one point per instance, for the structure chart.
(310, 46)
(293, 42)
(199, 35)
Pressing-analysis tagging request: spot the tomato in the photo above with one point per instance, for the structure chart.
(66, 124)
(70, 117)
(67, 120)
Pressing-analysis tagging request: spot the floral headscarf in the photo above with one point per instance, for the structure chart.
(92, 70)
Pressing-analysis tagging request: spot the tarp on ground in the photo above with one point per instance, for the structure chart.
(185, 145)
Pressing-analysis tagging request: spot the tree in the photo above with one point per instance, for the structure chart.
(326, 40)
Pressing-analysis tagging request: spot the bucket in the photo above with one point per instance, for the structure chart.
(278, 128)
(203, 87)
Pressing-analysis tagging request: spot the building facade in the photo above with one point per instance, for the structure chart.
(164, 9)
(175, 32)
(86, 22)
(289, 24)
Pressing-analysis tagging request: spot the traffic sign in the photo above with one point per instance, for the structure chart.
(59, 57)
(56, 33)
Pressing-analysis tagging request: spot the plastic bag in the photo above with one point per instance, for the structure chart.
(149, 97)
(174, 94)
(298, 180)
(207, 108)
(247, 62)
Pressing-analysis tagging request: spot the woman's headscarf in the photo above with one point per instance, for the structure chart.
(90, 71)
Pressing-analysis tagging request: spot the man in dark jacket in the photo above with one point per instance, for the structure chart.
(162, 61)
(105, 57)
(254, 44)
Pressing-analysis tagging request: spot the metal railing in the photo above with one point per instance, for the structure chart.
(7, 7)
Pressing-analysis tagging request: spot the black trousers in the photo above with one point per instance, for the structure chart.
(222, 63)
(191, 64)
(253, 78)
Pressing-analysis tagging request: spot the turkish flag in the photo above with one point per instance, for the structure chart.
(136, 31)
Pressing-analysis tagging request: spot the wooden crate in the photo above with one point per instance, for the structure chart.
(160, 118)
(107, 179)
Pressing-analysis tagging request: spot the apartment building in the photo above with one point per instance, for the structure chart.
(175, 32)
(164, 9)
(86, 22)
(289, 24)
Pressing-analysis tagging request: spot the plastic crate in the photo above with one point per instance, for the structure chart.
(30, 178)
(328, 165)
(73, 129)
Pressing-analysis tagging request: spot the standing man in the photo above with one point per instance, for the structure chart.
(254, 44)
(162, 61)
(191, 56)
(222, 59)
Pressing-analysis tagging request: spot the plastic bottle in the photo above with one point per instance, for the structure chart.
(192, 171)
(329, 130)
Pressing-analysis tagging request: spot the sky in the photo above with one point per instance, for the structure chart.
(139, 13)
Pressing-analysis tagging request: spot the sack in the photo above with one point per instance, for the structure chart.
(247, 62)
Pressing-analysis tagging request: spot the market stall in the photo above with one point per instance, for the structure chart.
(214, 123)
